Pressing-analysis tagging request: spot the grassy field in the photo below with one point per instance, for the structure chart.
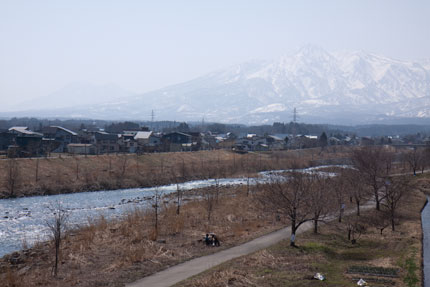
(333, 255)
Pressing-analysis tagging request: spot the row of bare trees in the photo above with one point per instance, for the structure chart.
(304, 197)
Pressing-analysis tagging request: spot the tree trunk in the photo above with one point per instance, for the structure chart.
(349, 234)
(377, 201)
(37, 170)
(316, 226)
(293, 232)
(57, 250)
(358, 207)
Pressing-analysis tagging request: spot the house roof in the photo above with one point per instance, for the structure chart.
(53, 130)
(24, 130)
(274, 137)
(66, 130)
(142, 135)
(184, 134)
(105, 136)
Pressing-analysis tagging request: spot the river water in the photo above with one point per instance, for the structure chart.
(425, 220)
(23, 221)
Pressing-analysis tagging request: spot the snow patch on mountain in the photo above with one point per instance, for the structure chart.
(270, 109)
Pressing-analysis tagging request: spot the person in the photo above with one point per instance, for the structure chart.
(215, 241)
(208, 241)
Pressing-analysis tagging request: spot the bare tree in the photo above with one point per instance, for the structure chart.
(415, 159)
(123, 165)
(379, 219)
(13, 176)
(137, 164)
(319, 199)
(374, 163)
(122, 169)
(77, 167)
(290, 198)
(354, 227)
(183, 169)
(338, 188)
(57, 227)
(37, 170)
(178, 198)
(209, 200)
(394, 190)
(356, 187)
(157, 197)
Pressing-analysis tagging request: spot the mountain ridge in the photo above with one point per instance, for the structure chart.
(350, 86)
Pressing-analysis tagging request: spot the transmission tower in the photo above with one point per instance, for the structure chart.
(152, 119)
(295, 116)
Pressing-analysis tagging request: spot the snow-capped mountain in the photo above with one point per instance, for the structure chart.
(341, 87)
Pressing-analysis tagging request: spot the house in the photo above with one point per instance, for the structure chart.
(6, 139)
(303, 141)
(366, 141)
(26, 142)
(142, 138)
(176, 141)
(62, 135)
(251, 142)
(154, 143)
(23, 131)
(275, 143)
(334, 141)
(81, 149)
(106, 142)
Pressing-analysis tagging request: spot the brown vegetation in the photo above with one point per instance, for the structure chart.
(65, 174)
(112, 253)
(332, 254)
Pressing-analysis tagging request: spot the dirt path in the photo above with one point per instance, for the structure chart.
(195, 266)
(180, 272)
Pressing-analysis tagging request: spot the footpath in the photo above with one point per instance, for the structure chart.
(180, 272)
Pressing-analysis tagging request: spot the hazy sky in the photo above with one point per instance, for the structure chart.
(144, 45)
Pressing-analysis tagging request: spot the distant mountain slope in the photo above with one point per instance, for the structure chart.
(342, 87)
(76, 94)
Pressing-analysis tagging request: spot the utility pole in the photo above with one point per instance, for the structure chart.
(152, 119)
(203, 124)
(294, 123)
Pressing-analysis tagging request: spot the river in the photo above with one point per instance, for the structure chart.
(425, 219)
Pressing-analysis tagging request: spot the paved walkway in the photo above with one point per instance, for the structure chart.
(180, 272)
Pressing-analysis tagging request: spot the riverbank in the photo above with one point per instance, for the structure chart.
(332, 254)
(112, 253)
(67, 174)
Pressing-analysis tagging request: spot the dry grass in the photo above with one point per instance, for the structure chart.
(112, 253)
(329, 253)
(74, 174)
